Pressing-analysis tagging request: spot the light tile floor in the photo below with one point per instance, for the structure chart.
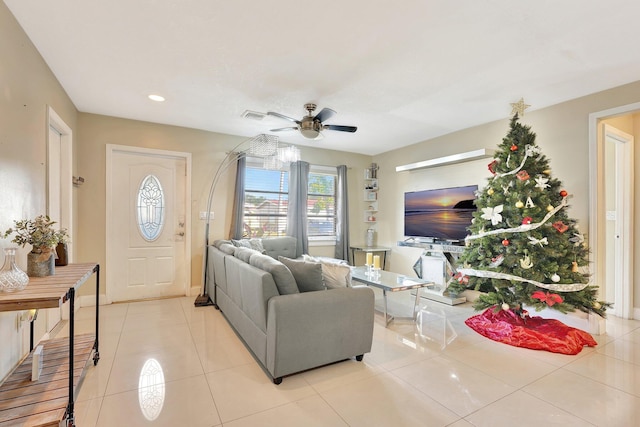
(436, 372)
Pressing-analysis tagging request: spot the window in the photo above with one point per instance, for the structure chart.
(321, 205)
(266, 202)
(150, 208)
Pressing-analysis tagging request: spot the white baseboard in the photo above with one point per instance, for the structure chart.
(90, 300)
(636, 313)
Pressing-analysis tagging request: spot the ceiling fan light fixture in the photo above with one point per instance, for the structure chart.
(310, 128)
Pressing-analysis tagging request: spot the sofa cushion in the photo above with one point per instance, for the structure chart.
(244, 254)
(219, 242)
(308, 275)
(280, 246)
(227, 249)
(285, 281)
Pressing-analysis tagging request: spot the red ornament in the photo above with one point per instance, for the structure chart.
(461, 278)
(514, 147)
(563, 193)
(527, 220)
(492, 166)
(505, 242)
(523, 175)
(560, 226)
(550, 299)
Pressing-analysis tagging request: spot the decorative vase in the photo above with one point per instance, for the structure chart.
(41, 264)
(63, 255)
(369, 237)
(11, 277)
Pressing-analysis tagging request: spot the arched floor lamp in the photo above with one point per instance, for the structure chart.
(264, 146)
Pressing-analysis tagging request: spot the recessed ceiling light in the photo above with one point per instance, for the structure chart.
(156, 98)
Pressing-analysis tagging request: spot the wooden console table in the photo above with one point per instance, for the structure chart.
(50, 400)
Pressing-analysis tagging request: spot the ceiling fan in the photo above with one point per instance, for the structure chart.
(310, 125)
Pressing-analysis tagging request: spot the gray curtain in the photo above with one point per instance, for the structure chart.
(237, 223)
(342, 215)
(297, 211)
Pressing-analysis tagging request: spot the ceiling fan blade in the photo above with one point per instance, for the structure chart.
(283, 129)
(340, 128)
(324, 114)
(282, 116)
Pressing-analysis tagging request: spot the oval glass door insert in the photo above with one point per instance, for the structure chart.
(150, 208)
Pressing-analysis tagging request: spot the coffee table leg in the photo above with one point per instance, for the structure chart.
(387, 320)
(416, 304)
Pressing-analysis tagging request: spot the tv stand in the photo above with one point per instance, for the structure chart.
(442, 257)
(442, 246)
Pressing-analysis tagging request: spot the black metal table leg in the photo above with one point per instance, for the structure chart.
(71, 296)
(96, 354)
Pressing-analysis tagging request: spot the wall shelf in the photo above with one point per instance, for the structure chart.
(448, 160)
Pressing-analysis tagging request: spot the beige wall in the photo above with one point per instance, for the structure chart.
(26, 88)
(562, 133)
(208, 150)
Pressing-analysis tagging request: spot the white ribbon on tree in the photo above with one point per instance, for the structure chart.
(530, 150)
(569, 287)
(521, 228)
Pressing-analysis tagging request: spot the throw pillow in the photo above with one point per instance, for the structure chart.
(336, 275)
(282, 276)
(308, 275)
(241, 243)
(256, 244)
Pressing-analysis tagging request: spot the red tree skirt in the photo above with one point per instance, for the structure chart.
(534, 332)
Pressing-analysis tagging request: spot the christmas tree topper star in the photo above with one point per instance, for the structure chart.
(519, 107)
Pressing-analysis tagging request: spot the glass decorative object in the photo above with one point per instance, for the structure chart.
(11, 277)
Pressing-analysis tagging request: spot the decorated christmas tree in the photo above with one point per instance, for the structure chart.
(523, 249)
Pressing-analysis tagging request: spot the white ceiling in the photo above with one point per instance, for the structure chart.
(403, 71)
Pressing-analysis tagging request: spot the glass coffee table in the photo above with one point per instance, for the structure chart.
(390, 282)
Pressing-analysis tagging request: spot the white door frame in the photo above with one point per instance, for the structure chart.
(111, 149)
(66, 173)
(597, 216)
(623, 247)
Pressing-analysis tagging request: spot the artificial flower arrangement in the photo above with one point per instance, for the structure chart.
(39, 233)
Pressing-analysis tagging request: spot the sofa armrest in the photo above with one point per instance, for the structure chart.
(315, 328)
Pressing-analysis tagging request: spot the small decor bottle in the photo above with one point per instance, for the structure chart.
(369, 237)
(11, 277)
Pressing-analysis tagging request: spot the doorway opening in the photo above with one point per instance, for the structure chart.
(612, 217)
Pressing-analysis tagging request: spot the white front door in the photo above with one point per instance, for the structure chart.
(147, 229)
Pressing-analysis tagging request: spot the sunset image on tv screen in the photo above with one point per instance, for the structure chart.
(442, 214)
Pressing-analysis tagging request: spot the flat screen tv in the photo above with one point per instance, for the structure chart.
(442, 214)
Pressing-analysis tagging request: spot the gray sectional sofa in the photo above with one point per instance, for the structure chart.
(288, 331)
